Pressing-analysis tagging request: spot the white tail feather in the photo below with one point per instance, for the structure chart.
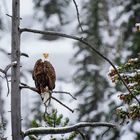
(45, 96)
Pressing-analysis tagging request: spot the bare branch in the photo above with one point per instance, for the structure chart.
(62, 104)
(9, 66)
(90, 47)
(54, 91)
(28, 87)
(5, 74)
(68, 129)
(12, 16)
(24, 54)
(1, 70)
(82, 135)
(6, 78)
(23, 85)
(78, 15)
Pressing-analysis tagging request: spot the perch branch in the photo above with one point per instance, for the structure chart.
(78, 15)
(68, 129)
(62, 104)
(28, 87)
(35, 89)
(90, 47)
(23, 85)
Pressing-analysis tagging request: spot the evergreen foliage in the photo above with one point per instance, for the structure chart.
(93, 84)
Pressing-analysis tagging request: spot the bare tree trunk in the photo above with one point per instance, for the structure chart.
(15, 73)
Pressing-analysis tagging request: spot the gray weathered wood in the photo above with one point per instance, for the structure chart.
(15, 73)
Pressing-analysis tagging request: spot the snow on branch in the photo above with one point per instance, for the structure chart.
(88, 45)
(68, 129)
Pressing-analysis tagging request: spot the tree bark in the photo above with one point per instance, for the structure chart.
(15, 73)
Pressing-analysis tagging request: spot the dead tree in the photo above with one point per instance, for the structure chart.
(15, 73)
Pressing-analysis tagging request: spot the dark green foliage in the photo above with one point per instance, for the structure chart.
(130, 73)
(53, 120)
(127, 27)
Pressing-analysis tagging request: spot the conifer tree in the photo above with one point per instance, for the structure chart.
(92, 82)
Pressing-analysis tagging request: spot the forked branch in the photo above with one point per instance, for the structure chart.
(36, 90)
(4, 71)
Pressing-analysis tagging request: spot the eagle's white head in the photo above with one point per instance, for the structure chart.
(45, 56)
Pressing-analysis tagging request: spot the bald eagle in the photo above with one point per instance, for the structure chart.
(44, 76)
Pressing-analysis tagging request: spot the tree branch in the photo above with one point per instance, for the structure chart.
(36, 90)
(62, 104)
(68, 129)
(54, 91)
(28, 87)
(23, 85)
(78, 15)
(5, 74)
(90, 47)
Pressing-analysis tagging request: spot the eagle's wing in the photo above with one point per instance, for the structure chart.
(36, 69)
(49, 75)
(38, 75)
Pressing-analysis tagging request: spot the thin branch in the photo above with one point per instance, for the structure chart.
(12, 16)
(68, 129)
(105, 132)
(82, 135)
(28, 87)
(5, 74)
(90, 47)
(9, 66)
(62, 104)
(24, 54)
(7, 85)
(54, 91)
(78, 15)
(23, 85)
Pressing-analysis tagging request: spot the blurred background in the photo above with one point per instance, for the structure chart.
(107, 25)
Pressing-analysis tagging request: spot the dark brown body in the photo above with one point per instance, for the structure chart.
(44, 76)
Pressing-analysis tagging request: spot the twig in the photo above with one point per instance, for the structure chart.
(7, 85)
(24, 54)
(68, 129)
(9, 66)
(105, 132)
(91, 48)
(64, 93)
(62, 104)
(78, 15)
(81, 134)
(21, 54)
(5, 74)
(12, 16)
